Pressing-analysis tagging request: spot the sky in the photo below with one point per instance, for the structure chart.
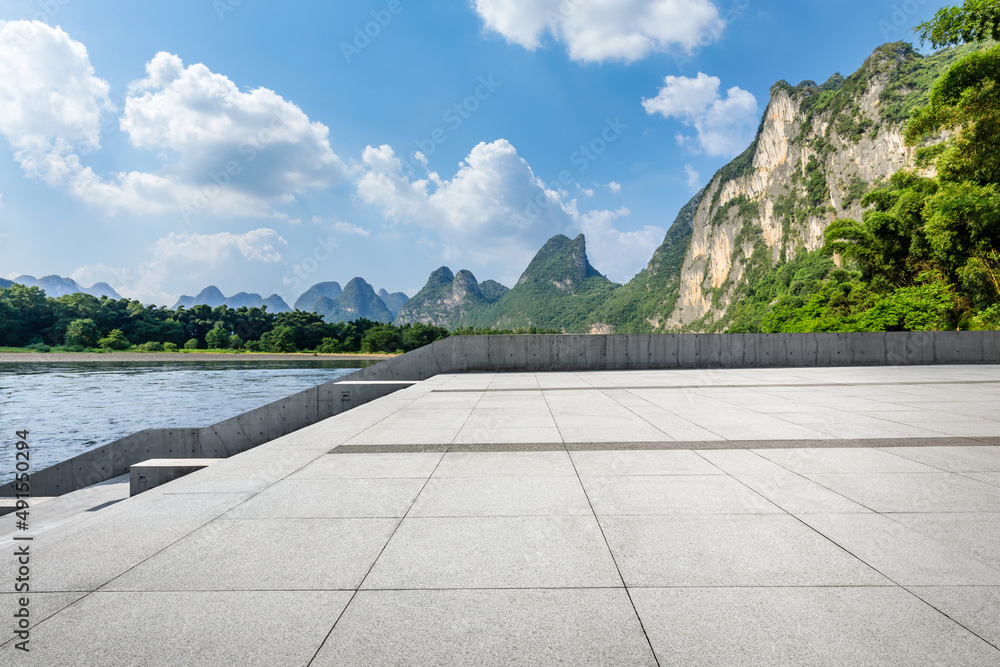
(264, 147)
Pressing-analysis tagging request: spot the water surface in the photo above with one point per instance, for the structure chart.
(70, 407)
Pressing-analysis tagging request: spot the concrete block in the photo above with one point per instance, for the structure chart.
(666, 349)
(868, 349)
(991, 347)
(959, 347)
(688, 354)
(157, 472)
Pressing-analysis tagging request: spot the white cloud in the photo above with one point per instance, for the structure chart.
(256, 144)
(225, 151)
(51, 102)
(619, 255)
(348, 228)
(725, 125)
(598, 30)
(195, 259)
(693, 178)
(494, 209)
(615, 187)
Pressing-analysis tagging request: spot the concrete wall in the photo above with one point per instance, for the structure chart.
(463, 354)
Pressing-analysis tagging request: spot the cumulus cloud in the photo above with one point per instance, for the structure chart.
(226, 151)
(619, 255)
(724, 125)
(256, 144)
(616, 188)
(495, 209)
(598, 30)
(51, 102)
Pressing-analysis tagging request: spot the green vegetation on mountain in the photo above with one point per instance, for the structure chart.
(558, 290)
(447, 299)
(649, 298)
(926, 253)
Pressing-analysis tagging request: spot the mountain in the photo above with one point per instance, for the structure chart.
(4, 283)
(307, 302)
(274, 303)
(57, 286)
(358, 300)
(638, 306)
(558, 290)
(393, 301)
(448, 299)
(213, 297)
(818, 150)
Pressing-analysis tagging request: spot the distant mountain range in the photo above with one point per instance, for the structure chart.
(57, 286)
(213, 297)
(357, 300)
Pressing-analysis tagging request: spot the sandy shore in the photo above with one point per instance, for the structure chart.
(28, 357)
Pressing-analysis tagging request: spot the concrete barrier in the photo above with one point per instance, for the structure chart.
(466, 354)
(157, 472)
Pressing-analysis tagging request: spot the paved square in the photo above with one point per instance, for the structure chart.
(840, 516)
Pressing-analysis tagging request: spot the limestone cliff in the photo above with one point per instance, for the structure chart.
(817, 151)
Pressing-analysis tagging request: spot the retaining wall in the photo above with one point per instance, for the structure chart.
(463, 354)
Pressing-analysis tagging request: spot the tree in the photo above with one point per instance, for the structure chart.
(217, 338)
(115, 340)
(381, 339)
(280, 339)
(82, 333)
(192, 344)
(974, 21)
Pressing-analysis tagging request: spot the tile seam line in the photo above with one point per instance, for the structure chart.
(862, 560)
(158, 552)
(611, 553)
(361, 583)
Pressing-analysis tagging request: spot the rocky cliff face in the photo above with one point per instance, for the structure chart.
(818, 150)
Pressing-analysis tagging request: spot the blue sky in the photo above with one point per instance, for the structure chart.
(264, 147)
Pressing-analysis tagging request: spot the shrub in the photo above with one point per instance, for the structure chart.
(170, 347)
(153, 346)
(191, 344)
(82, 333)
(115, 340)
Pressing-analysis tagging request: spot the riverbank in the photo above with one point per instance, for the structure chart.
(32, 357)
